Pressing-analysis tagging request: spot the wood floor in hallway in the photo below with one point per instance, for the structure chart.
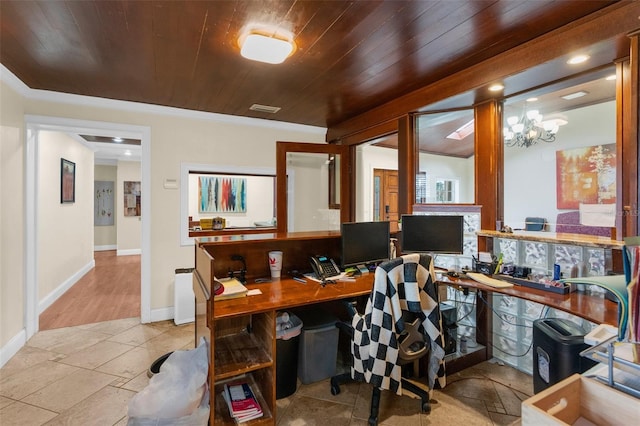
(108, 292)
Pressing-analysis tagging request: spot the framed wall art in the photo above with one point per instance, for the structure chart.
(103, 205)
(67, 181)
(132, 195)
(586, 175)
(222, 194)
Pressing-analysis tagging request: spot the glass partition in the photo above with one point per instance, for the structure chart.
(309, 207)
(446, 150)
(560, 152)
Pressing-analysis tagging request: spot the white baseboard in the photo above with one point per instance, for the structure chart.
(105, 248)
(66, 285)
(162, 314)
(129, 252)
(12, 347)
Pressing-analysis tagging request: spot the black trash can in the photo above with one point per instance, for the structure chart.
(287, 342)
(557, 344)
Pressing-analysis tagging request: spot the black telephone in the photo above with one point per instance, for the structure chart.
(324, 267)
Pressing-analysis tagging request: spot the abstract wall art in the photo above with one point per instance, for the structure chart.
(222, 194)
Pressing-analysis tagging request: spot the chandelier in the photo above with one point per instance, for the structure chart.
(529, 129)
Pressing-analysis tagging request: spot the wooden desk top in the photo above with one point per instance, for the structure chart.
(596, 309)
(288, 293)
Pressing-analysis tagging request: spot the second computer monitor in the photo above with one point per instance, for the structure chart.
(364, 243)
(432, 234)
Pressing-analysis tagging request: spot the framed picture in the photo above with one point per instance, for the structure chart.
(586, 175)
(222, 194)
(67, 181)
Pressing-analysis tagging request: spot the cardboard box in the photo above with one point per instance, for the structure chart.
(578, 398)
(206, 223)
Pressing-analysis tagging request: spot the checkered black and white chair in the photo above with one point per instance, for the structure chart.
(401, 324)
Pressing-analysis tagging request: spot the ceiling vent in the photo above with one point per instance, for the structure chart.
(264, 108)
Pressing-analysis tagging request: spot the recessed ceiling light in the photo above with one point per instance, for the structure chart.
(260, 47)
(578, 59)
(574, 95)
(533, 99)
(264, 108)
(118, 139)
(127, 153)
(496, 87)
(462, 132)
(610, 77)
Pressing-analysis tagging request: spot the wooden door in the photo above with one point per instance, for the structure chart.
(386, 198)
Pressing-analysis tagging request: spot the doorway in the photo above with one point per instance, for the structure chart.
(385, 197)
(35, 124)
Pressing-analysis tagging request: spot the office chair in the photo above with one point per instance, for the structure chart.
(401, 324)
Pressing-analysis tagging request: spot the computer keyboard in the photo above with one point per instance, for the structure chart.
(491, 282)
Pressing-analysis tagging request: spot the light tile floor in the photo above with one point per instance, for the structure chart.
(86, 375)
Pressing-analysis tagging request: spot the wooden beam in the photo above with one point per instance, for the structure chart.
(606, 24)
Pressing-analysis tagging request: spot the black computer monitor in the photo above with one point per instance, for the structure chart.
(432, 234)
(364, 243)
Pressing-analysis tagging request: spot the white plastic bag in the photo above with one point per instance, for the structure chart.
(178, 394)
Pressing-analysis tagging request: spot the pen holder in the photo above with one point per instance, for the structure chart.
(484, 267)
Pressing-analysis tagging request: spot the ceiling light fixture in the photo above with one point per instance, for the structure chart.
(578, 59)
(118, 139)
(496, 87)
(610, 77)
(272, 49)
(529, 129)
(574, 95)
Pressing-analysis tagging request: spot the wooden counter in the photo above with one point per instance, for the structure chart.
(242, 332)
(556, 238)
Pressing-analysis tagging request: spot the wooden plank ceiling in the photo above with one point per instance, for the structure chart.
(351, 55)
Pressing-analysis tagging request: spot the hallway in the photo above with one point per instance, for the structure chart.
(110, 291)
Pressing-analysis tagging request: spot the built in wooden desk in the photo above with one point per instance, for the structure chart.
(242, 332)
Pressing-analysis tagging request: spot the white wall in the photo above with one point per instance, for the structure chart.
(530, 173)
(451, 168)
(105, 237)
(65, 230)
(309, 194)
(129, 229)
(260, 201)
(176, 136)
(12, 223)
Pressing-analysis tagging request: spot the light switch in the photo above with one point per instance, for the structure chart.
(170, 184)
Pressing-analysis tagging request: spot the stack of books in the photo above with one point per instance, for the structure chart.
(232, 289)
(242, 403)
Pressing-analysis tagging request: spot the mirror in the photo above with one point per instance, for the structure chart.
(304, 197)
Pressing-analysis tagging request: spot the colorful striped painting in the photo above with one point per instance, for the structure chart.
(222, 194)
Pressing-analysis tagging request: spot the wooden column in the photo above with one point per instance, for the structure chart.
(407, 164)
(627, 113)
(489, 169)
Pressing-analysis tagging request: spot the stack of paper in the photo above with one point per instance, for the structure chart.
(232, 289)
(242, 403)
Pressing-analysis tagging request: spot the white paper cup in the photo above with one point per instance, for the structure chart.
(275, 263)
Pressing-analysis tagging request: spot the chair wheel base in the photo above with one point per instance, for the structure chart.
(335, 387)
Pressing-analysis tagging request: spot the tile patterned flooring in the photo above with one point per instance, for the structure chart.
(86, 375)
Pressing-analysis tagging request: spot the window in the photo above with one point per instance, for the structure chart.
(446, 191)
(259, 192)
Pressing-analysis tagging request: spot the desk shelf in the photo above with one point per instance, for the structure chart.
(239, 354)
(222, 416)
